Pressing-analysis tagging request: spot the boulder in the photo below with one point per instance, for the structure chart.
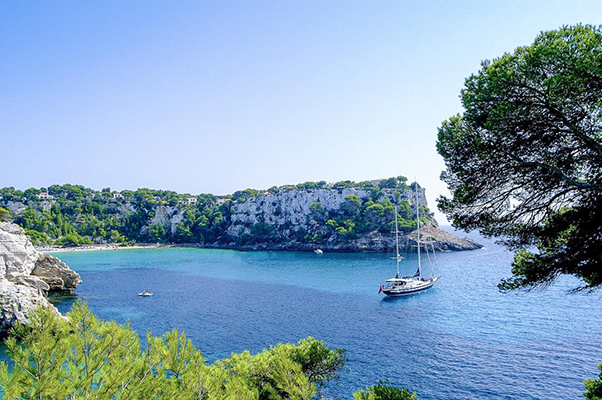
(56, 274)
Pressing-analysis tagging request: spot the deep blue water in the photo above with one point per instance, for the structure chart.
(461, 340)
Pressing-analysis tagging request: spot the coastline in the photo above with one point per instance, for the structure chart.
(449, 243)
(98, 247)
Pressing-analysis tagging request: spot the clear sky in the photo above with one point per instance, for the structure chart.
(217, 96)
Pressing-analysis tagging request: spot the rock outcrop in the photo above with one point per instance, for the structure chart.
(293, 207)
(56, 274)
(341, 216)
(288, 219)
(27, 276)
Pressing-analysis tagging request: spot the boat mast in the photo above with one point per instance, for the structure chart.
(397, 241)
(417, 228)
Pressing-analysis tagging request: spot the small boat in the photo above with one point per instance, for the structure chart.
(413, 284)
(145, 293)
(318, 252)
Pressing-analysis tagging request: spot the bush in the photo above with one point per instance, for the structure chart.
(4, 214)
(384, 392)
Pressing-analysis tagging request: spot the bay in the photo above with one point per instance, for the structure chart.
(463, 339)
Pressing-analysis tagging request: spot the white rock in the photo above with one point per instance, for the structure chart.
(20, 290)
(17, 302)
(292, 206)
(17, 254)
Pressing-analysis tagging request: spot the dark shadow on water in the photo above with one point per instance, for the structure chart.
(389, 299)
(62, 297)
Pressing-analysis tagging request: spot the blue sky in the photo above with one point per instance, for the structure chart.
(217, 96)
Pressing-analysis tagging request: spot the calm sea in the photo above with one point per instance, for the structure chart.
(463, 339)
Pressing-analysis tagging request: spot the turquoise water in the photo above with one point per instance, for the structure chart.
(461, 340)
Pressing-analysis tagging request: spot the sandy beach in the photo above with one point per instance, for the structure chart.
(96, 247)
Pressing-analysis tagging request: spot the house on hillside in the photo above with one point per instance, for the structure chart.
(45, 196)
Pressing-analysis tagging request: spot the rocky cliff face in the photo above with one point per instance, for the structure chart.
(293, 207)
(27, 276)
(168, 217)
(341, 216)
(289, 222)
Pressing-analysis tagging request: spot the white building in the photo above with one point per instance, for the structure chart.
(192, 200)
(45, 196)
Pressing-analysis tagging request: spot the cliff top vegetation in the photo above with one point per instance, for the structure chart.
(75, 215)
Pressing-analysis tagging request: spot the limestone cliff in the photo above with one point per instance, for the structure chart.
(349, 219)
(27, 276)
(338, 216)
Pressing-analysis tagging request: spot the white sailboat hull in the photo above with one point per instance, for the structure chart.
(410, 286)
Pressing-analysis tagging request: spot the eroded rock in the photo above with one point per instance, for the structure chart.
(59, 277)
(27, 277)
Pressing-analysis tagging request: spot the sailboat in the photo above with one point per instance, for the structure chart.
(407, 285)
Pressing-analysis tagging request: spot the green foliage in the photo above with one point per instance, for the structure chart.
(241, 196)
(260, 231)
(37, 238)
(4, 214)
(72, 239)
(183, 233)
(594, 387)
(311, 185)
(384, 392)
(523, 161)
(343, 185)
(351, 206)
(84, 358)
(78, 215)
(286, 370)
(317, 361)
(11, 194)
(158, 233)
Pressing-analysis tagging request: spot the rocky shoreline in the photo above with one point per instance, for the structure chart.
(442, 241)
(431, 237)
(28, 277)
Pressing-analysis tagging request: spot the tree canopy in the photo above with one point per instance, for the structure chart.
(383, 391)
(594, 387)
(524, 160)
(83, 357)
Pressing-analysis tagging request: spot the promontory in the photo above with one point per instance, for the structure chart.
(343, 216)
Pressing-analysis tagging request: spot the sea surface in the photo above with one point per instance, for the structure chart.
(463, 339)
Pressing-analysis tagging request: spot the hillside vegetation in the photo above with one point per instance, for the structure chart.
(75, 215)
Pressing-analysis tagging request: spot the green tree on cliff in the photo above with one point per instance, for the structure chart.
(524, 160)
(4, 214)
(158, 233)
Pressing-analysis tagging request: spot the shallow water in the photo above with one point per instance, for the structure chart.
(463, 339)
